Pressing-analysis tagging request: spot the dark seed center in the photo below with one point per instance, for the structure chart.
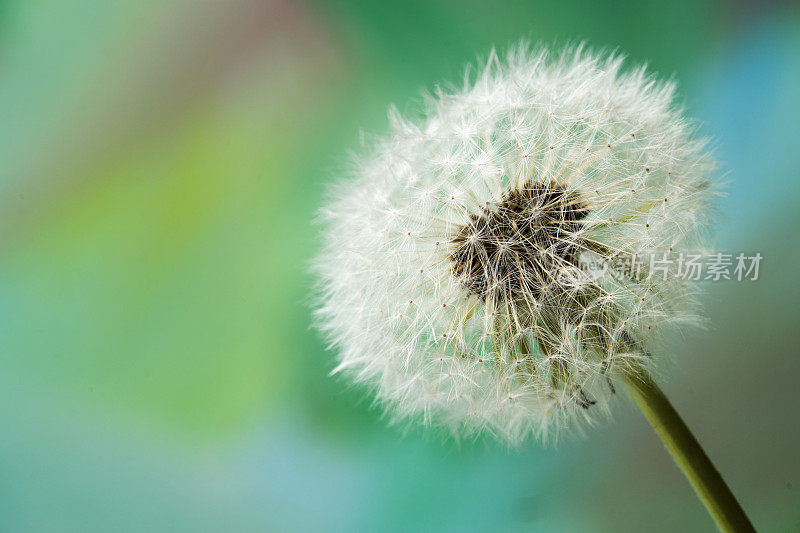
(516, 249)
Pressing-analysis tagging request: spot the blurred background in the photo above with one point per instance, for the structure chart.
(160, 167)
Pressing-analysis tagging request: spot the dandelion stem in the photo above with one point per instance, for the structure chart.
(688, 454)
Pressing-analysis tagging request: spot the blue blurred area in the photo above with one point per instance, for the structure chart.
(160, 166)
(747, 102)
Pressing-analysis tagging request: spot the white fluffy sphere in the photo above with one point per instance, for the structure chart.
(451, 274)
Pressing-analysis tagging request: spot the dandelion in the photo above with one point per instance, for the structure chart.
(452, 279)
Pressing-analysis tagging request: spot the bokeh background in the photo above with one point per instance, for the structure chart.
(160, 167)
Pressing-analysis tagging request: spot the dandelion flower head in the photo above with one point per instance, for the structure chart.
(451, 273)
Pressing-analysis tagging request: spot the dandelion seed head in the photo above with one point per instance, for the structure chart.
(450, 275)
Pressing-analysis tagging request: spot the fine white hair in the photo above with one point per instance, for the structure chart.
(449, 280)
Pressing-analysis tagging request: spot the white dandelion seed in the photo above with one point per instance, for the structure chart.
(450, 272)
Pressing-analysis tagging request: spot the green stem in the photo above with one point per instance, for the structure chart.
(689, 456)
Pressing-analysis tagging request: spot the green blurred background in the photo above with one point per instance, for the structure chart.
(160, 167)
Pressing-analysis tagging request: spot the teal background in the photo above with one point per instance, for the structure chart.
(160, 167)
